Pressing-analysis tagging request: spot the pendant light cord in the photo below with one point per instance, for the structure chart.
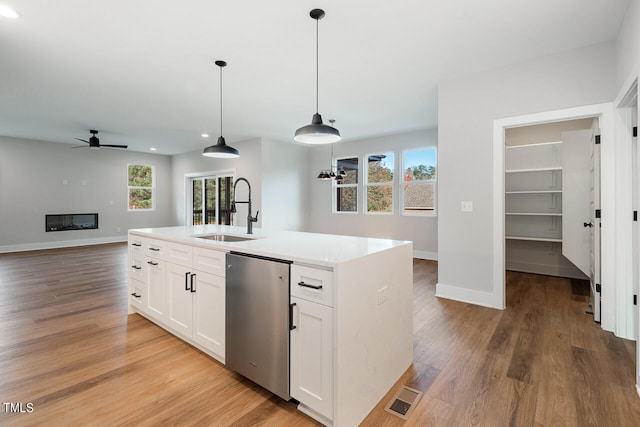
(317, 66)
(221, 101)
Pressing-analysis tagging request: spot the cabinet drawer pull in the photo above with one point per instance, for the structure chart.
(152, 263)
(136, 267)
(307, 285)
(137, 245)
(154, 249)
(291, 325)
(192, 289)
(135, 295)
(186, 280)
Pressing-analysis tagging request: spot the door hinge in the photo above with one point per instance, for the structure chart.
(635, 215)
(635, 131)
(598, 213)
(597, 139)
(635, 300)
(598, 287)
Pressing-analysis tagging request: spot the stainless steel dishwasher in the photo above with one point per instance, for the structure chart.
(257, 320)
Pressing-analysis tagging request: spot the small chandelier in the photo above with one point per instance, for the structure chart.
(221, 149)
(329, 174)
(317, 132)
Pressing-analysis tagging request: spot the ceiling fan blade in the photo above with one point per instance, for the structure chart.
(83, 140)
(114, 146)
(79, 146)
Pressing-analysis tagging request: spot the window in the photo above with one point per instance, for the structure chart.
(379, 184)
(210, 201)
(419, 182)
(346, 194)
(140, 187)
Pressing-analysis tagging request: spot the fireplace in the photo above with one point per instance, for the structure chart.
(64, 222)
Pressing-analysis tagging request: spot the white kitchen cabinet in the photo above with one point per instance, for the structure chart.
(156, 288)
(311, 377)
(208, 311)
(194, 303)
(312, 356)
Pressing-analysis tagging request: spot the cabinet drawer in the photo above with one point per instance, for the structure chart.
(137, 268)
(136, 245)
(178, 253)
(155, 248)
(312, 284)
(209, 260)
(137, 294)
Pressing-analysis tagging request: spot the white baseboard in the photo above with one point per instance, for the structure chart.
(61, 244)
(433, 256)
(485, 299)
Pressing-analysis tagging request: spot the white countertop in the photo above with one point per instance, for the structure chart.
(321, 249)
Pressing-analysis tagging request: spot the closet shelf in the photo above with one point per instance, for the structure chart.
(534, 192)
(533, 239)
(553, 168)
(534, 213)
(535, 144)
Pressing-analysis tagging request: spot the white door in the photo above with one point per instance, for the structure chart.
(596, 230)
(208, 312)
(576, 199)
(312, 356)
(180, 299)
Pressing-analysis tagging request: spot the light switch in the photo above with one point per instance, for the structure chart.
(466, 206)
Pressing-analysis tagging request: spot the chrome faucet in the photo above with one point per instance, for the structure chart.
(250, 219)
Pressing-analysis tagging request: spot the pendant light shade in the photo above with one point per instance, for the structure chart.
(317, 132)
(221, 149)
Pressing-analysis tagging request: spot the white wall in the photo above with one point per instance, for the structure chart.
(285, 184)
(628, 47)
(467, 108)
(421, 230)
(32, 176)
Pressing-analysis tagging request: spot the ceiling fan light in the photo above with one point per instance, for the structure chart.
(221, 150)
(7, 12)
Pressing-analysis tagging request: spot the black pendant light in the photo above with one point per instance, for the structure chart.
(317, 132)
(221, 149)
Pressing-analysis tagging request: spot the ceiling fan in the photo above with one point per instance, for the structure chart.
(94, 142)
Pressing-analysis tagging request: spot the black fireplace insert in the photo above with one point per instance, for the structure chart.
(63, 222)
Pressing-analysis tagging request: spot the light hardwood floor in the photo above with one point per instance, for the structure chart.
(69, 349)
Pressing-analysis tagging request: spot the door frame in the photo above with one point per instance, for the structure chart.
(604, 112)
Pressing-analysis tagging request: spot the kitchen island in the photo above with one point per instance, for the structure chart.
(353, 334)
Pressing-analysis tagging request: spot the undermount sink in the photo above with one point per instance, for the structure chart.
(224, 237)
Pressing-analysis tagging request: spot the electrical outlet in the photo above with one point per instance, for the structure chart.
(118, 229)
(383, 294)
(466, 206)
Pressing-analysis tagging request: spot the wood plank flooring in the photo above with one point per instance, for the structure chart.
(68, 348)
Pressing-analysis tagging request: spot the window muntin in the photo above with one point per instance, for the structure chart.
(346, 190)
(140, 187)
(419, 182)
(379, 185)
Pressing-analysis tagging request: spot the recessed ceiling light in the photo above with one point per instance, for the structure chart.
(205, 135)
(152, 149)
(7, 12)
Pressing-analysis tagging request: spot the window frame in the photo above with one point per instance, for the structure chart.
(336, 186)
(366, 184)
(136, 187)
(401, 202)
(188, 182)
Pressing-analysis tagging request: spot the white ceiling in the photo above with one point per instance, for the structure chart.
(142, 72)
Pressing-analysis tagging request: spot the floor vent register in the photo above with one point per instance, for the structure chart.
(404, 402)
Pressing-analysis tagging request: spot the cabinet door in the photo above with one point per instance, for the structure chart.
(312, 356)
(208, 312)
(180, 305)
(156, 288)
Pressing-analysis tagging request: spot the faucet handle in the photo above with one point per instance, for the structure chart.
(255, 218)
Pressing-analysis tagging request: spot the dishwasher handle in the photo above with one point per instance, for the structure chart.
(291, 325)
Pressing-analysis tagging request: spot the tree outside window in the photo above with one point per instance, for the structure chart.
(346, 190)
(419, 182)
(140, 187)
(380, 171)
